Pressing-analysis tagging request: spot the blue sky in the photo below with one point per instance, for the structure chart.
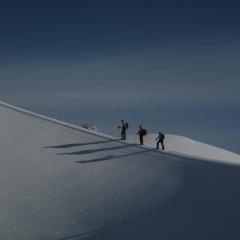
(168, 65)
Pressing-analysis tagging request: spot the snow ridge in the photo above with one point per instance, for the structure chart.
(176, 145)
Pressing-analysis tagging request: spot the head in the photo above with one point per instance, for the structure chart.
(122, 121)
(140, 127)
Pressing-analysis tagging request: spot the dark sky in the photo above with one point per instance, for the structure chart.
(172, 65)
(53, 28)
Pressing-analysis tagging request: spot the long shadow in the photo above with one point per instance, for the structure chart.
(79, 236)
(88, 151)
(110, 157)
(80, 144)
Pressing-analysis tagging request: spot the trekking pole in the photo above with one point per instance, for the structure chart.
(135, 139)
(119, 130)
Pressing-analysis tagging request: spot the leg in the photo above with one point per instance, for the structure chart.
(124, 135)
(157, 145)
(162, 145)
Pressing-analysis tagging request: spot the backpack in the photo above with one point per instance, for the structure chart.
(162, 137)
(127, 125)
(144, 132)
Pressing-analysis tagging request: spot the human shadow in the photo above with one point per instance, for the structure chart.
(81, 144)
(80, 235)
(110, 157)
(89, 151)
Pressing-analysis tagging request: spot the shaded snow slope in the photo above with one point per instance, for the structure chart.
(58, 181)
(188, 147)
(62, 182)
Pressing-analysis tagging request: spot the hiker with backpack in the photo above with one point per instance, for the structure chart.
(124, 127)
(141, 132)
(160, 139)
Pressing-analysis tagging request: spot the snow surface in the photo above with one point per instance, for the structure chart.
(188, 147)
(60, 181)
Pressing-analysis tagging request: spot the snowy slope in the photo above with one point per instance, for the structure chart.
(60, 181)
(187, 147)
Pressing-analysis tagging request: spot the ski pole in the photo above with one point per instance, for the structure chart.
(135, 139)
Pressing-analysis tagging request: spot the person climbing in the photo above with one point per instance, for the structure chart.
(160, 139)
(141, 132)
(124, 127)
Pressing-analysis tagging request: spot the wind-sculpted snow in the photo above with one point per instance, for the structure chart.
(59, 181)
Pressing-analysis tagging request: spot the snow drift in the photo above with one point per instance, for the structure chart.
(60, 181)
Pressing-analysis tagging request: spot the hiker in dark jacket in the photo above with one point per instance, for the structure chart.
(141, 132)
(124, 127)
(160, 139)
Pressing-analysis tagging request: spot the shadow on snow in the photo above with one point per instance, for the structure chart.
(89, 151)
(81, 144)
(110, 157)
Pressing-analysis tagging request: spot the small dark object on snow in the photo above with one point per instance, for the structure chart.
(141, 132)
(124, 126)
(160, 139)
